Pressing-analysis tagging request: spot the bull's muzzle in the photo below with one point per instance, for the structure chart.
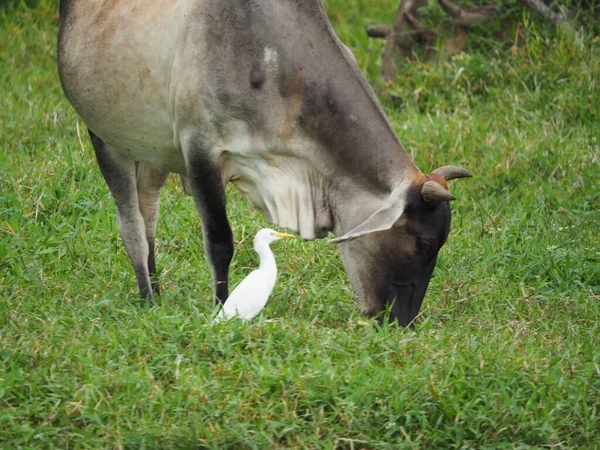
(407, 300)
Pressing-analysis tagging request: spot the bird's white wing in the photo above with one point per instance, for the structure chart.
(249, 297)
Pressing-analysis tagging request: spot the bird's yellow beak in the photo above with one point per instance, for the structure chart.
(283, 235)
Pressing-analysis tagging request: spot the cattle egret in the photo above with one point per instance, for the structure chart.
(251, 295)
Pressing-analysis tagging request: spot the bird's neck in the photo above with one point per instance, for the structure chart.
(267, 260)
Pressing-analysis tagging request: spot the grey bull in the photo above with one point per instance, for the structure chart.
(264, 95)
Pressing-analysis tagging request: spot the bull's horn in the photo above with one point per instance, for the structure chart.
(452, 172)
(382, 219)
(434, 193)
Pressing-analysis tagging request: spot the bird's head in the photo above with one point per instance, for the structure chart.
(266, 236)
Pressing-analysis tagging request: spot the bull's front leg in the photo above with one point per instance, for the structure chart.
(204, 177)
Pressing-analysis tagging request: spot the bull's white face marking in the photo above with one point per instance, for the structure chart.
(271, 58)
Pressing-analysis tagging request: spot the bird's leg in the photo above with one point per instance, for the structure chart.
(204, 176)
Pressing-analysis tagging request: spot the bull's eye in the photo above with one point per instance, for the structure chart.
(424, 244)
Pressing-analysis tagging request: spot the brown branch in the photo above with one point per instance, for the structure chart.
(540, 7)
(379, 31)
(423, 34)
(465, 17)
(407, 7)
(407, 38)
(450, 8)
(400, 41)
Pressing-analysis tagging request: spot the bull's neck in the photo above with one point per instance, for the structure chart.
(356, 141)
(330, 177)
(353, 198)
(312, 189)
(368, 163)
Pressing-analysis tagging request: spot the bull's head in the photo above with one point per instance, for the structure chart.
(390, 257)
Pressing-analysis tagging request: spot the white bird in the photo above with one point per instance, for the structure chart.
(251, 295)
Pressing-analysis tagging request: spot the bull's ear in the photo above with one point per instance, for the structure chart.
(382, 219)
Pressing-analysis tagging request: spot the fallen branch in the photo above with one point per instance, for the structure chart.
(407, 38)
(379, 31)
(540, 7)
(424, 35)
(465, 17)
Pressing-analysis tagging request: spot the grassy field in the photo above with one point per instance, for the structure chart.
(506, 353)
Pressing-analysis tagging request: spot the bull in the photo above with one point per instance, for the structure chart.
(264, 95)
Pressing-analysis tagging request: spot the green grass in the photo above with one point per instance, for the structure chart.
(506, 353)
